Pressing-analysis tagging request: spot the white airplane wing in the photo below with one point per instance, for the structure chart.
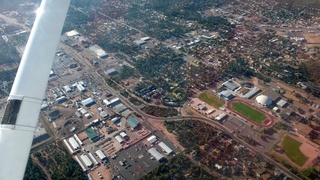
(23, 107)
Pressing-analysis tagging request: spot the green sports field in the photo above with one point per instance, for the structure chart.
(291, 149)
(211, 99)
(249, 112)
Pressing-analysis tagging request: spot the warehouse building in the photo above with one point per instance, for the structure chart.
(88, 102)
(85, 159)
(119, 139)
(101, 155)
(61, 99)
(252, 92)
(152, 139)
(156, 154)
(92, 135)
(100, 53)
(80, 163)
(133, 123)
(226, 95)
(73, 143)
(165, 148)
(112, 102)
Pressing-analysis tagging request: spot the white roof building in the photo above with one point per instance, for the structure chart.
(80, 163)
(83, 111)
(86, 160)
(264, 100)
(98, 51)
(67, 88)
(281, 103)
(221, 116)
(81, 88)
(73, 143)
(88, 102)
(93, 159)
(68, 146)
(152, 139)
(100, 154)
(119, 139)
(112, 102)
(165, 148)
(123, 134)
(72, 33)
(155, 154)
(77, 139)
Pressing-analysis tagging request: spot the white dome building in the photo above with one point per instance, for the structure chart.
(263, 100)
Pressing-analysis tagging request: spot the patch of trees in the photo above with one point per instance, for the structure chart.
(57, 162)
(178, 167)
(8, 53)
(76, 19)
(238, 67)
(160, 111)
(33, 171)
(125, 72)
(161, 61)
(7, 75)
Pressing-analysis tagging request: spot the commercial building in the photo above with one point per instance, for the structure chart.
(93, 159)
(88, 102)
(264, 100)
(152, 139)
(156, 154)
(92, 135)
(80, 163)
(281, 103)
(101, 155)
(115, 120)
(133, 123)
(252, 92)
(67, 88)
(61, 99)
(72, 33)
(165, 148)
(230, 85)
(111, 71)
(81, 88)
(77, 139)
(119, 139)
(227, 95)
(68, 146)
(140, 42)
(104, 114)
(112, 102)
(85, 159)
(100, 53)
(221, 117)
(73, 143)
(273, 95)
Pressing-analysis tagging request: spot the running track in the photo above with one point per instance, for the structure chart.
(266, 123)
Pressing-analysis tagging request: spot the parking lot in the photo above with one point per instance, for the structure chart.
(136, 160)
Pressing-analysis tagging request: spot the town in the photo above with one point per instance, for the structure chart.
(223, 89)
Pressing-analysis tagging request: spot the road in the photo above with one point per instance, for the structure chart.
(233, 136)
(206, 120)
(13, 21)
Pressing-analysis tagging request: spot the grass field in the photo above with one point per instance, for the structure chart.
(211, 99)
(249, 112)
(291, 149)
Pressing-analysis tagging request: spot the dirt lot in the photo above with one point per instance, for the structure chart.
(312, 39)
(106, 174)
